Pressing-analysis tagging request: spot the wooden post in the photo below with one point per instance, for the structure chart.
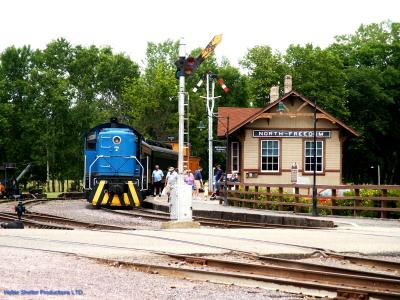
(255, 196)
(356, 202)
(268, 197)
(246, 189)
(384, 204)
(334, 203)
(296, 199)
(280, 206)
(239, 188)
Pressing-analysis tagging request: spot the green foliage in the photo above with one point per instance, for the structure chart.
(371, 60)
(50, 97)
(265, 69)
(357, 79)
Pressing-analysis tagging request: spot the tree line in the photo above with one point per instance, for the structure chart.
(49, 98)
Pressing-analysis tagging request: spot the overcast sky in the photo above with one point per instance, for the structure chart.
(127, 25)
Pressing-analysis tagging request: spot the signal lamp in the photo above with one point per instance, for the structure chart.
(189, 65)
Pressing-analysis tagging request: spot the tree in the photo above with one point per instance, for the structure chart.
(265, 69)
(371, 60)
(16, 99)
(319, 75)
(151, 99)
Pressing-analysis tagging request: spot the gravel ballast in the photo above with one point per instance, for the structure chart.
(44, 272)
(82, 210)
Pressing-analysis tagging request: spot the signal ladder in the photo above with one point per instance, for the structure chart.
(186, 142)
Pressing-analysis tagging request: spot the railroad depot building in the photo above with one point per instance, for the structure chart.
(274, 144)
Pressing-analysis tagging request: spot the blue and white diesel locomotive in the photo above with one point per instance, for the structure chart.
(118, 164)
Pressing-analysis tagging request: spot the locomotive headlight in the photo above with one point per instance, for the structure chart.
(116, 140)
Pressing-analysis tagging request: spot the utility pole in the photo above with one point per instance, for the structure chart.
(379, 175)
(314, 190)
(226, 161)
(210, 103)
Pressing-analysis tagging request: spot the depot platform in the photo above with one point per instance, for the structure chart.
(213, 209)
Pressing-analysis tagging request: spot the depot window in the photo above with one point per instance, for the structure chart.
(270, 156)
(235, 156)
(309, 156)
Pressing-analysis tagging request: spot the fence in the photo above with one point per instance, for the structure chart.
(381, 201)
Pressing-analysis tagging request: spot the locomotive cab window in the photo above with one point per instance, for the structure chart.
(91, 142)
(91, 145)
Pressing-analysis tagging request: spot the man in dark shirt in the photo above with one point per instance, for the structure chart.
(218, 178)
(198, 182)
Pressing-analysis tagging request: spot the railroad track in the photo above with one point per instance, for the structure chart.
(359, 285)
(162, 216)
(11, 218)
(44, 221)
(47, 221)
(286, 279)
(165, 217)
(279, 265)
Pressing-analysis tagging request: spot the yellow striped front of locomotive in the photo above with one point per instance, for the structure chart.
(104, 195)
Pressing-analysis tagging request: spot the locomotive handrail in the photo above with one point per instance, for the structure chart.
(141, 167)
(84, 173)
(108, 156)
(90, 169)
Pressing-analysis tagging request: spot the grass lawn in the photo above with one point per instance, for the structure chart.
(52, 195)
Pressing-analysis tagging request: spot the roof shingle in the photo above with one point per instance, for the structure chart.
(236, 116)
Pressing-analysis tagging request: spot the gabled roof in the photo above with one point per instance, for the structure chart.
(237, 116)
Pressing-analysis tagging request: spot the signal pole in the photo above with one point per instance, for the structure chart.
(181, 196)
(181, 111)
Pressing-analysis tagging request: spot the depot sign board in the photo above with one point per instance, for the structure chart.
(291, 133)
(220, 149)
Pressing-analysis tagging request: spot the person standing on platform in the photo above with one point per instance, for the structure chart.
(198, 182)
(218, 177)
(171, 181)
(157, 177)
(189, 179)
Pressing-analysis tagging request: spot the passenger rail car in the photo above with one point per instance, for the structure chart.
(155, 153)
(118, 164)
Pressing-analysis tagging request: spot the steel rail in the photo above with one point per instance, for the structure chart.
(360, 260)
(50, 220)
(328, 275)
(319, 267)
(375, 263)
(68, 221)
(304, 284)
(31, 223)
